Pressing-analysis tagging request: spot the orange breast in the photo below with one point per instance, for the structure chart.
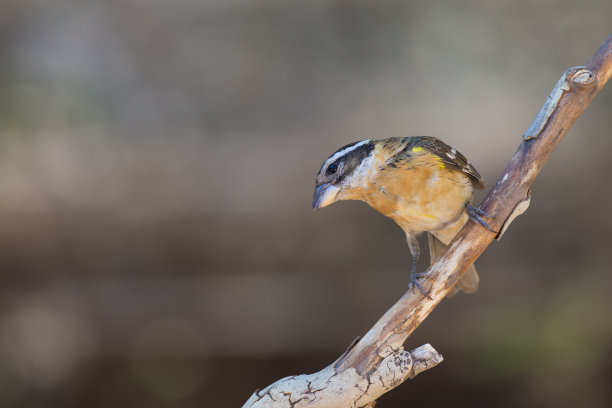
(419, 194)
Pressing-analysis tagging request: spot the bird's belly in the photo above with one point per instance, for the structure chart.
(428, 208)
(418, 218)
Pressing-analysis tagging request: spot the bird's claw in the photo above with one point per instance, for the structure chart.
(421, 275)
(476, 215)
(414, 281)
(413, 244)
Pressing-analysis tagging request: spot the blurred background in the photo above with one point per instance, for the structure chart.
(157, 162)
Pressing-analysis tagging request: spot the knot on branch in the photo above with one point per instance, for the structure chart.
(576, 79)
(583, 76)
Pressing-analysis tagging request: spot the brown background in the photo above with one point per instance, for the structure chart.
(157, 162)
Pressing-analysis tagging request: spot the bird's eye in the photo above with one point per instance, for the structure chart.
(332, 168)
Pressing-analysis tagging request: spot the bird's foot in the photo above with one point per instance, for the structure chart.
(414, 281)
(476, 215)
(413, 244)
(421, 275)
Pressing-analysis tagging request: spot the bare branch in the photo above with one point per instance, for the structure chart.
(329, 388)
(382, 345)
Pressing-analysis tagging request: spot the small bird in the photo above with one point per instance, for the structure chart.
(421, 183)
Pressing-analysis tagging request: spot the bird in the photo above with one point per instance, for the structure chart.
(420, 182)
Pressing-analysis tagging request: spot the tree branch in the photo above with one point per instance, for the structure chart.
(377, 363)
(329, 388)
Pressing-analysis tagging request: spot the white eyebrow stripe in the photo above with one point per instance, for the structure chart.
(345, 151)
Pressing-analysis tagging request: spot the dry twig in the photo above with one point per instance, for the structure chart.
(378, 363)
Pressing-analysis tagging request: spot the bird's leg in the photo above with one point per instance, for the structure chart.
(415, 250)
(476, 215)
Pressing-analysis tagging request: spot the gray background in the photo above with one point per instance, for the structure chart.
(157, 162)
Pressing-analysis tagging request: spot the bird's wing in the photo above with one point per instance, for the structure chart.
(449, 156)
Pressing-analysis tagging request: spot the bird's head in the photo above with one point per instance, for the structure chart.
(345, 170)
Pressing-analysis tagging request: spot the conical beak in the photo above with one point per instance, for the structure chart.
(324, 195)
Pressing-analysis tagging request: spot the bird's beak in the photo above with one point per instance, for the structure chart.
(324, 195)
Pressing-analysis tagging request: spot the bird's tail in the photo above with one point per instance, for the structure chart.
(470, 280)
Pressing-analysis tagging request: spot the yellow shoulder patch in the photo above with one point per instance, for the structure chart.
(437, 158)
